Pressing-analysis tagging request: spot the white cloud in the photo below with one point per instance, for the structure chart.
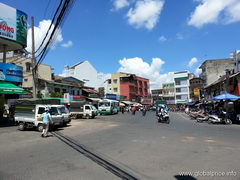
(162, 38)
(215, 11)
(179, 36)
(143, 69)
(145, 14)
(40, 33)
(198, 71)
(192, 62)
(67, 44)
(119, 4)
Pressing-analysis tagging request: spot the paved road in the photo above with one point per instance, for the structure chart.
(137, 144)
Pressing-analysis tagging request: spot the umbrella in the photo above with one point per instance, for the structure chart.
(226, 96)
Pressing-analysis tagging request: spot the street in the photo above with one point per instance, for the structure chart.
(135, 144)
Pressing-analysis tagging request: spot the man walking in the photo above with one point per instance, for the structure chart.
(46, 118)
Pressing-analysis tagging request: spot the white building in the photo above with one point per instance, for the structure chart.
(107, 86)
(181, 80)
(85, 72)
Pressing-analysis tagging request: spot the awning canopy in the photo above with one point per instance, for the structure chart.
(9, 88)
(226, 96)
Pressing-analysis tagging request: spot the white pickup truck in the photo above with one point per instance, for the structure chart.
(28, 116)
(82, 110)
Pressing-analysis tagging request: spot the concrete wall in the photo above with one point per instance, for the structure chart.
(213, 69)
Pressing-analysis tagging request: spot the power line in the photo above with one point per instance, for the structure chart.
(65, 9)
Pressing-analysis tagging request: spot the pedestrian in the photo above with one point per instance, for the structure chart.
(46, 119)
(133, 110)
(144, 110)
(123, 110)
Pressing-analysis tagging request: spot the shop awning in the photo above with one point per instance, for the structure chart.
(9, 88)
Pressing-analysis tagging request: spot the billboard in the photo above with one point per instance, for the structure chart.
(13, 24)
(11, 72)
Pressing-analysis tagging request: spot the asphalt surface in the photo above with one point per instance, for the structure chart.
(135, 144)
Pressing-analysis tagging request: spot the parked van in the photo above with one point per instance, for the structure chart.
(65, 113)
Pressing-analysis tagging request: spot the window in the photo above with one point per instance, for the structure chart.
(87, 107)
(28, 66)
(78, 92)
(115, 81)
(25, 80)
(178, 97)
(54, 111)
(41, 110)
(115, 89)
(178, 83)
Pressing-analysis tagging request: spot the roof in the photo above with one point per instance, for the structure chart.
(209, 60)
(69, 78)
(71, 67)
(90, 91)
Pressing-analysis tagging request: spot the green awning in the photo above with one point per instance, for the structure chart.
(9, 88)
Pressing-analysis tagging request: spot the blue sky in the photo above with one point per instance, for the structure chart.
(148, 37)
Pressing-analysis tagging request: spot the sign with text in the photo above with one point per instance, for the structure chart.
(11, 72)
(13, 24)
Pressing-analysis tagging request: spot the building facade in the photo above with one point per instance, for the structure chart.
(213, 69)
(168, 94)
(85, 72)
(196, 88)
(43, 72)
(181, 81)
(157, 94)
(129, 86)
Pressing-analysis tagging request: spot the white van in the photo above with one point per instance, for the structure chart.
(65, 113)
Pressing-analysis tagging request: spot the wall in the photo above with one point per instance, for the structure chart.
(216, 68)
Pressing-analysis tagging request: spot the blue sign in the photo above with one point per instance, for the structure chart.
(11, 72)
(112, 96)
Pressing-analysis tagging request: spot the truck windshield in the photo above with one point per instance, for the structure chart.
(104, 104)
(54, 111)
(63, 110)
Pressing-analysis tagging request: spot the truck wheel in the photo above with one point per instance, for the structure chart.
(21, 126)
(40, 127)
(87, 116)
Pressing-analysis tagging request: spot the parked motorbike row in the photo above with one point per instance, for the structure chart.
(219, 116)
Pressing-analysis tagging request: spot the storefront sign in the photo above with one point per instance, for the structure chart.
(13, 24)
(196, 92)
(11, 72)
(113, 96)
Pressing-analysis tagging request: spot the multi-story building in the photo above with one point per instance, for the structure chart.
(132, 87)
(157, 94)
(196, 88)
(85, 72)
(107, 86)
(43, 72)
(214, 68)
(181, 80)
(168, 93)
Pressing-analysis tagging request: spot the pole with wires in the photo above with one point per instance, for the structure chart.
(34, 70)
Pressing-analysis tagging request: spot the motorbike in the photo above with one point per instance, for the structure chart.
(221, 118)
(163, 117)
(202, 118)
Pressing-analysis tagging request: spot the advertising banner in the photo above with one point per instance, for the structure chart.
(13, 24)
(11, 72)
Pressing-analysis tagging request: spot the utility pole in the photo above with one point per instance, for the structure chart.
(4, 53)
(34, 69)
